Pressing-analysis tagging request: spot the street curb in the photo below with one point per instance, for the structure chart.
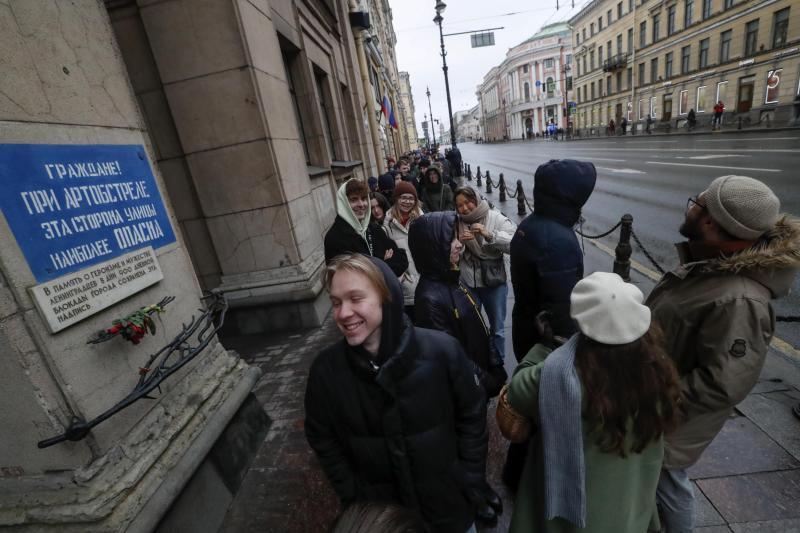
(676, 134)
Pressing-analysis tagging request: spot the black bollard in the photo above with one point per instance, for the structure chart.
(478, 181)
(488, 183)
(502, 186)
(622, 261)
(468, 172)
(521, 210)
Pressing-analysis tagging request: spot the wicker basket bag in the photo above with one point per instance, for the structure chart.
(514, 426)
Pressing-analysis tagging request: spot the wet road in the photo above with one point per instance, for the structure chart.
(652, 177)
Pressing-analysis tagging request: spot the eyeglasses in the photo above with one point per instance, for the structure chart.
(407, 198)
(693, 200)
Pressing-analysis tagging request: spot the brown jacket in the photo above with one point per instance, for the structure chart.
(718, 323)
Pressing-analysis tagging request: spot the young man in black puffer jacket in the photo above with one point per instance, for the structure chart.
(395, 413)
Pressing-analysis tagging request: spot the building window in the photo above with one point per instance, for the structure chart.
(643, 34)
(630, 6)
(701, 99)
(591, 29)
(702, 60)
(641, 74)
(549, 62)
(773, 82)
(722, 92)
(619, 44)
(668, 66)
(683, 103)
(641, 109)
(751, 38)
(671, 20)
(780, 25)
(654, 70)
(728, 4)
(584, 93)
(585, 71)
(289, 62)
(326, 110)
(527, 90)
(600, 55)
(592, 90)
(688, 13)
(630, 40)
(525, 68)
(706, 9)
(591, 59)
(584, 34)
(619, 81)
(619, 11)
(551, 87)
(653, 108)
(577, 38)
(568, 59)
(629, 77)
(656, 26)
(685, 57)
(725, 46)
(599, 24)
(608, 85)
(608, 18)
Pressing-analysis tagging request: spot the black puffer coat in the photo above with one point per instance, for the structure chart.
(342, 239)
(442, 302)
(412, 432)
(546, 260)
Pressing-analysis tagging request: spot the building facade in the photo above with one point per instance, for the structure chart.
(532, 85)
(639, 59)
(409, 126)
(467, 124)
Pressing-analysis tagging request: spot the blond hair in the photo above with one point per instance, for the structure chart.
(359, 264)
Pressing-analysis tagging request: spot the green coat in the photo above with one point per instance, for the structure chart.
(620, 492)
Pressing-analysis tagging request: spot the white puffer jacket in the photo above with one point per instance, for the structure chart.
(399, 234)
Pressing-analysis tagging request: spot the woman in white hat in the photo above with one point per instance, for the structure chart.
(599, 406)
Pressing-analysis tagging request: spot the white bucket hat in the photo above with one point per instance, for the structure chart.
(608, 310)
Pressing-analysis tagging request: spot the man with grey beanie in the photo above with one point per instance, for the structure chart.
(718, 321)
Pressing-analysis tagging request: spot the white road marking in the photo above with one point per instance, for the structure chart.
(712, 166)
(759, 150)
(760, 139)
(613, 160)
(718, 156)
(622, 170)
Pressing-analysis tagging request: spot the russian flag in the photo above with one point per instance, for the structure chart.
(386, 107)
(392, 120)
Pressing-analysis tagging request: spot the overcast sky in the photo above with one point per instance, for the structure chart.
(418, 44)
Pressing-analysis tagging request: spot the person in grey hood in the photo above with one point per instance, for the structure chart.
(354, 231)
(718, 320)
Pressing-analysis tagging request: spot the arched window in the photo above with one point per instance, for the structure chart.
(527, 89)
(551, 87)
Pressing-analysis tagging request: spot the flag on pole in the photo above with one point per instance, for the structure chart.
(392, 120)
(386, 107)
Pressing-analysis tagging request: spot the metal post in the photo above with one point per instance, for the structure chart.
(488, 183)
(439, 19)
(469, 173)
(521, 210)
(502, 186)
(479, 182)
(622, 261)
(433, 128)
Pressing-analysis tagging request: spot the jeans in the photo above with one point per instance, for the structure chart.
(472, 529)
(675, 497)
(494, 301)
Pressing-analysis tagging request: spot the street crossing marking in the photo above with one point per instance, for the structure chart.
(777, 343)
(622, 170)
(712, 166)
(718, 156)
(759, 150)
(760, 139)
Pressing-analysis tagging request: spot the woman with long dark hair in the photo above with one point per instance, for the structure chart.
(600, 405)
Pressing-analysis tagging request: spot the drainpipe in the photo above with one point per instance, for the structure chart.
(634, 107)
(367, 88)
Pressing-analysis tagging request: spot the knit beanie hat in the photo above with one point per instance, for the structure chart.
(404, 187)
(372, 181)
(608, 310)
(744, 207)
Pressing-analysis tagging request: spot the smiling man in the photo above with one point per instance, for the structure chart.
(395, 413)
(354, 231)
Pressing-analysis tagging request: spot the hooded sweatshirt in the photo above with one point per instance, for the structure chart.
(435, 196)
(349, 235)
(370, 422)
(546, 259)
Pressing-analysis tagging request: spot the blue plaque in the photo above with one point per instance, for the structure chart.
(72, 206)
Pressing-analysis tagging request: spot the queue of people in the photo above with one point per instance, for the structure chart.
(614, 396)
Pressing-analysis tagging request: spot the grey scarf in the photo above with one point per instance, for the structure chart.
(475, 246)
(562, 436)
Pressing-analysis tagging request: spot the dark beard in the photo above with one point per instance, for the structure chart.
(690, 230)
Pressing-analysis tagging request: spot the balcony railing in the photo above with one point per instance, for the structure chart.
(615, 62)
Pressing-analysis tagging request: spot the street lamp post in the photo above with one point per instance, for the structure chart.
(440, 6)
(565, 74)
(428, 93)
(427, 125)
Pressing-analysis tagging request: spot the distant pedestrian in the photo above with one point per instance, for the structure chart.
(372, 182)
(718, 320)
(546, 263)
(435, 195)
(624, 125)
(691, 119)
(354, 231)
(405, 210)
(649, 125)
(444, 303)
(719, 109)
(394, 413)
(486, 234)
(386, 184)
(600, 405)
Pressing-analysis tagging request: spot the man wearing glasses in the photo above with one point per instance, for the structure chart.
(716, 313)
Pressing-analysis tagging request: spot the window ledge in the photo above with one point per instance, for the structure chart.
(345, 164)
(316, 171)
